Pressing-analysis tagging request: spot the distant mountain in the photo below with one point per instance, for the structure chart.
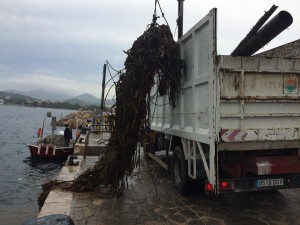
(48, 96)
(84, 99)
(89, 99)
(42, 95)
(8, 95)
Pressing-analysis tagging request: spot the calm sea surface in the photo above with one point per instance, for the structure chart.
(21, 176)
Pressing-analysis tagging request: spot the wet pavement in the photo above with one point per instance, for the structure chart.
(150, 198)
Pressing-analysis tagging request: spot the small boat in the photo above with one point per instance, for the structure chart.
(48, 150)
(52, 146)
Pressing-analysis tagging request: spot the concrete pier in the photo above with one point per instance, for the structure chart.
(58, 201)
(94, 146)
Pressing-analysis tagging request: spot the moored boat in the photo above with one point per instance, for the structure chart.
(53, 146)
(50, 150)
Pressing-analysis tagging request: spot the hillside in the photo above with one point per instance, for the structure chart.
(82, 100)
(42, 95)
(10, 95)
(88, 98)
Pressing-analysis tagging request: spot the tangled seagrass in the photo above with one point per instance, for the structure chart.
(154, 53)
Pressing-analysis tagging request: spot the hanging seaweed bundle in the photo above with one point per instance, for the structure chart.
(154, 53)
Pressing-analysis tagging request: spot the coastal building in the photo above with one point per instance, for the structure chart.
(1, 101)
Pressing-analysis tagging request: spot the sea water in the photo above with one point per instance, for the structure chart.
(21, 176)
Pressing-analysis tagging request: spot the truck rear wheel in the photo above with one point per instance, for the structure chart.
(180, 171)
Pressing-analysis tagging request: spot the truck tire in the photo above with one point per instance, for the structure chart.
(180, 171)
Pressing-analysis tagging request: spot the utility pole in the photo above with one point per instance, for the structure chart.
(103, 89)
(96, 121)
(180, 18)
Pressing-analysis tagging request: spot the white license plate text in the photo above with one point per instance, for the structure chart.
(269, 182)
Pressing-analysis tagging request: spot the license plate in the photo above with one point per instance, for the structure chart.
(269, 182)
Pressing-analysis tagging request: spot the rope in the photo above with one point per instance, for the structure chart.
(163, 15)
(155, 17)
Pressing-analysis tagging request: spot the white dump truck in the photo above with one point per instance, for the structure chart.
(237, 121)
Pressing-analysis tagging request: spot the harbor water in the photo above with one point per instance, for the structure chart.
(21, 176)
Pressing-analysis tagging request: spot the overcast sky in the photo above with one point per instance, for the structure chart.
(62, 44)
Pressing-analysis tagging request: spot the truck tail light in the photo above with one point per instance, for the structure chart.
(226, 185)
(208, 187)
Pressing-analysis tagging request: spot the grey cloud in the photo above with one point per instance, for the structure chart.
(75, 37)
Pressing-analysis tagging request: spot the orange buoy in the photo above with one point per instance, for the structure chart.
(39, 132)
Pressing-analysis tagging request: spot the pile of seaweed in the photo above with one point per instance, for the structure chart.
(154, 53)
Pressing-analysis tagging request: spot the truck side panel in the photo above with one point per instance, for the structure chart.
(191, 118)
(192, 122)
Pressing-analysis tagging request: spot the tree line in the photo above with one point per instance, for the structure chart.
(48, 104)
